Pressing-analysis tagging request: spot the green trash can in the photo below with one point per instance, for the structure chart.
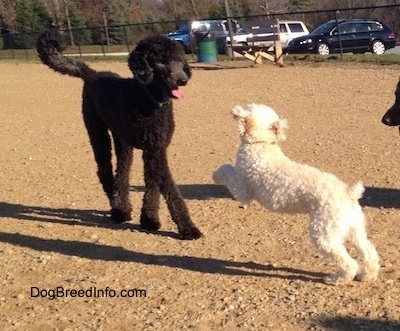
(206, 47)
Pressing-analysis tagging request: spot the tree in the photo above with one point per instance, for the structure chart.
(299, 4)
(75, 21)
(31, 18)
(108, 14)
(31, 15)
(7, 14)
(115, 14)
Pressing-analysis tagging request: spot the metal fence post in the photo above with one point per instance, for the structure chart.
(337, 27)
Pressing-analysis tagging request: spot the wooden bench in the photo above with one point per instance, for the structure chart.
(259, 47)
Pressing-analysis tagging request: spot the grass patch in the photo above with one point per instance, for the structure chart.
(118, 53)
(385, 59)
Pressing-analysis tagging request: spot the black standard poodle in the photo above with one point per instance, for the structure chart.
(138, 113)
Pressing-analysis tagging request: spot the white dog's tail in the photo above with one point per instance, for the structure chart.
(356, 191)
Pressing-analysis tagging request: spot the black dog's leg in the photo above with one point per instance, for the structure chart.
(101, 145)
(157, 173)
(120, 206)
(149, 219)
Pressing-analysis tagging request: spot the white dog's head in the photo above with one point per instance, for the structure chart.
(259, 123)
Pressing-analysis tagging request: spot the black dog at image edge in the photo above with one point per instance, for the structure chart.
(392, 116)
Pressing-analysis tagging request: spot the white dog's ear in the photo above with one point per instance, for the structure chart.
(279, 128)
(239, 113)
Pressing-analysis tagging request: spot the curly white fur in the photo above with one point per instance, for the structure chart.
(264, 173)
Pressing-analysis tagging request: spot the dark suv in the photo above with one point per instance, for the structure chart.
(356, 36)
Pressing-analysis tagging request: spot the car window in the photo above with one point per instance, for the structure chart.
(324, 28)
(282, 27)
(362, 27)
(183, 27)
(346, 28)
(296, 27)
(214, 26)
(375, 26)
(200, 27)
(235, 26)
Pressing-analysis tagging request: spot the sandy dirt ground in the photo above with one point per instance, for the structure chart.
(65, 266)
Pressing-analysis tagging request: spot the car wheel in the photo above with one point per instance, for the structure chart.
(378, 47)
(323, 49)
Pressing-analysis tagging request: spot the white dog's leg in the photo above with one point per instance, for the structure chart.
(369, 255)
(226, 175)
(348, 267)
(332, 245)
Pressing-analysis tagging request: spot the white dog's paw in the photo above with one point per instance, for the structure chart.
(364, 277)
(224, 174)
(218, 177)
(337, 279)
(368, 274)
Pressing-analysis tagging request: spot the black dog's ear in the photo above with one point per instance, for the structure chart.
(51, 38)
(140, 67)
(187, 69)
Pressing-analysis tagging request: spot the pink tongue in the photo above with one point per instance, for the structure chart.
(178, 93)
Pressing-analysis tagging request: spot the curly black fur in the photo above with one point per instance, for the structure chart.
(138, 114)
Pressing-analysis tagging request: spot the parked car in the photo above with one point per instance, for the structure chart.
(287, 31)
(186, 33)
(356, 36)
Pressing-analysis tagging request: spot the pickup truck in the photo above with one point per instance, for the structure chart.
(185, 34)
(287, 31)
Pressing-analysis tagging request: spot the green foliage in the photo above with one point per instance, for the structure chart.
(31, 15)
(300, 4)
(31, 18)
(385, 59)
(236, 8)
(218, 10)
(77, 19)
(117, 17)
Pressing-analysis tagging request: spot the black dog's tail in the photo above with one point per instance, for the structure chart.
(49, 46)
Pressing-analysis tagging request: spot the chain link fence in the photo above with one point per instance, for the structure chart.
(121, 39)
(84, 41)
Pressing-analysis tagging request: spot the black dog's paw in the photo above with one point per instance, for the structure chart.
(149, 224)
(190, 233)
(120, 216)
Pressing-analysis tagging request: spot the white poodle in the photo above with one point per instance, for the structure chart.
(264, 173)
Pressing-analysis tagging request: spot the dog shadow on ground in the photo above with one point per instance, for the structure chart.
(377, 197)
(98, 251)
(381, 197)
(95, 218)
(91, 218)
(197, 191)
(347, 323)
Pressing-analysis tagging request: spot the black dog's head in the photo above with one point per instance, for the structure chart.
(392, 116)
(51, 41)
(162, 59)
